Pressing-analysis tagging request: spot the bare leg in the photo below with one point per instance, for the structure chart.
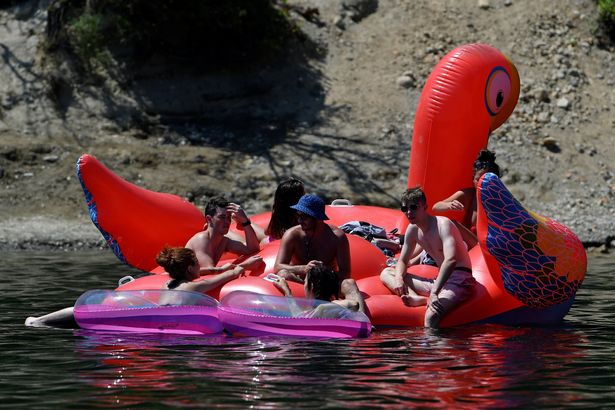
(63, 318)
(409, 295)
(350, 291)
(289, 276)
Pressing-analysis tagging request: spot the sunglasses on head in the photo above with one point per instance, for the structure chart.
(412, 207)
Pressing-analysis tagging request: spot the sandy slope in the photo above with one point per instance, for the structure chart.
(335, 116)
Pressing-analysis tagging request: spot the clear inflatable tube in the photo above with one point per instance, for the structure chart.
(150, 311)
(252, 314)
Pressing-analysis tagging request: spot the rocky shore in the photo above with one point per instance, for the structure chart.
(337, 112)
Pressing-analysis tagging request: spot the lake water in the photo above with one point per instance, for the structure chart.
(467, 367)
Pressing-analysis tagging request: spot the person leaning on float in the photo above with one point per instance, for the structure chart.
(465, 199)
(182, 266)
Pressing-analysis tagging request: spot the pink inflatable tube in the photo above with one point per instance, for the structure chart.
(148, 311)
(252, 314)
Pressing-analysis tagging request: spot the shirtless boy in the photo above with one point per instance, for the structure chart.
(210, 244)
(440, 237)
(315, 243)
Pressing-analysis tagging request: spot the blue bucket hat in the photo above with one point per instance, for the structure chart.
(311, 205)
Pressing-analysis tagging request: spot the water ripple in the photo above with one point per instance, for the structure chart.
(467, 367)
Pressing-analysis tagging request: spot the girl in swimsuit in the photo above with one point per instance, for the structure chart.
(182, 266)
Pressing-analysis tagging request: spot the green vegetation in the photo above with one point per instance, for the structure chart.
(211, 33)
(607, 16)
(85, 36)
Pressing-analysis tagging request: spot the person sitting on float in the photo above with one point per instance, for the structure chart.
(182, 266)
(441, 239)
(465, 199)
(211, 243)
(315, 243)
(321, 283)
(286, 194)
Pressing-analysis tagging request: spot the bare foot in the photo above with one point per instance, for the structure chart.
(413, 300)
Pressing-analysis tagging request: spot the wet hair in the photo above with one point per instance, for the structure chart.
(214, 203)
(323, 282)
(283, 216)
(413, 196)
(176, 261)
(486, 161)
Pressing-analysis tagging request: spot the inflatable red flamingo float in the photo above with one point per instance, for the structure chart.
(527, 267)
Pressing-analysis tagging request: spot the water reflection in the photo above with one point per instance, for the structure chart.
(467, 367)
(486, 366)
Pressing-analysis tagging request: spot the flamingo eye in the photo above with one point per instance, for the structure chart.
(497, 90)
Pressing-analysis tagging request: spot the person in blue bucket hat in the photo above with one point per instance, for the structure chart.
(311, 205)
(315, 243)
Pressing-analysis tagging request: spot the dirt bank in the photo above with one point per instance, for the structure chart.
(336, 112)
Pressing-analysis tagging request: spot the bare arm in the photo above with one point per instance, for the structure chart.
(213, 282)
(407, 252)
(282, 286)
(449, 251)
(454, 202)
(349, 304)
(343, 257)
(285, 254)
(252, 242)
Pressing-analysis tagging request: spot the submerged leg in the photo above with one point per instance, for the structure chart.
(63, 318)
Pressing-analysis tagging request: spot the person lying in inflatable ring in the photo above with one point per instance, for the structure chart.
(321, 283)
(182, 266)
(465, 199)
(210, 244)
(441, 239)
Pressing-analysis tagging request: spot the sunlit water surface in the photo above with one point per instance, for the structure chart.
(467, 367)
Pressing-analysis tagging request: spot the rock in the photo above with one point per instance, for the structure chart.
(51, 158)
(357, 10)
(339, 22)
(406, 82)
(483, 4)
(550, 143)
(563, 103)
(541, 95)
(508, 3)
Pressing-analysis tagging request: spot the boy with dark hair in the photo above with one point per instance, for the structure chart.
(439, 237)
(210, 244)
